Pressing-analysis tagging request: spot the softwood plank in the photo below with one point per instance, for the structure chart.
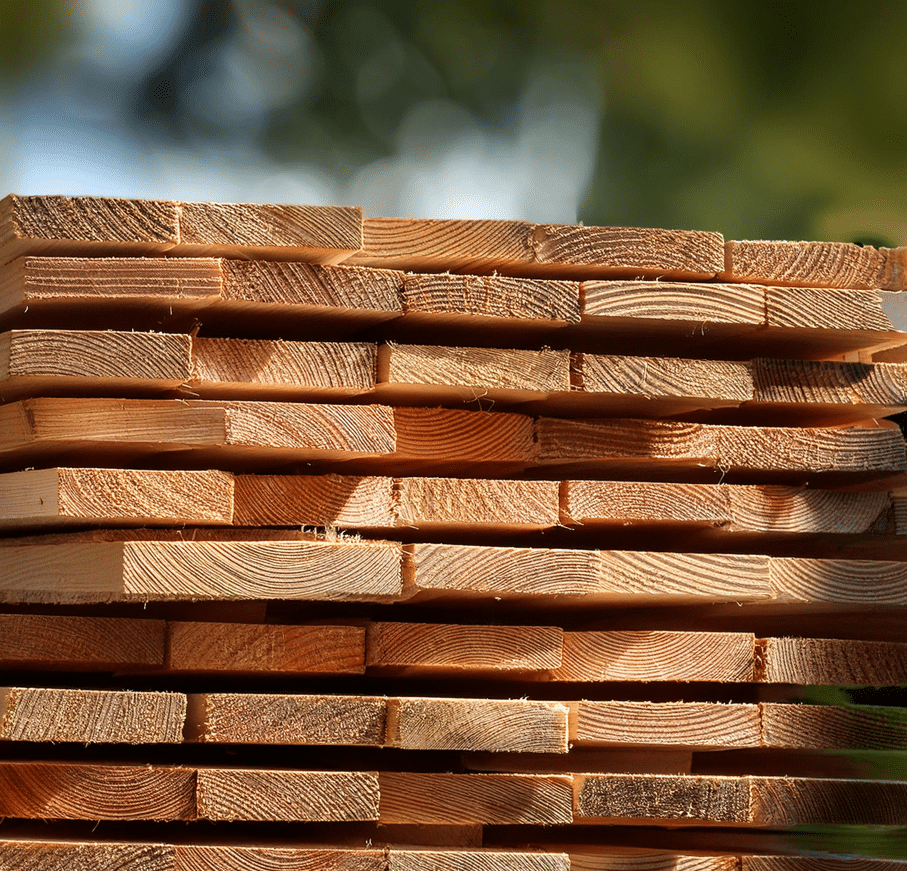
(489, 799)
(657, 656)
(102, 226)
(258, 648)
(816, 264)
(91, 716)
(475, 860)
(286, 796)
(613, 576)
(826, 727)
(236, 857)
(606, 861)
(477, 724)
(80, 643)
(813, 863)
(114, 497)
(518, 248)
(235, 718)
(832, 661)
(818, 580)
(35, 855)
(426, 648)
(160, 570)
(695, 725)
(63, 790)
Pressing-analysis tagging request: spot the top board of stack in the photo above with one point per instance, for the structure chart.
(427, 544)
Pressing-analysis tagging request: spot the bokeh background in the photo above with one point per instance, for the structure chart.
(760, 120)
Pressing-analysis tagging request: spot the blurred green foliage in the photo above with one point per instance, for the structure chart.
(30, 33)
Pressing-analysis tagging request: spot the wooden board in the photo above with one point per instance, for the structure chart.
(815, 863)
(693, 725)
(518, 248)
(59, 855)
(817, 661)
(476, 860)
(160, 570)
(286, 796)
(584, 859)
(80, 643)
(816, 264)
(243, 857)
(91, 716)
(840, 581)
(102, 226)
(831, 727)
(114, 497)
(256, 648)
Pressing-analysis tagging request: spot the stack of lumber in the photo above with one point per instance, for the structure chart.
(436, 545)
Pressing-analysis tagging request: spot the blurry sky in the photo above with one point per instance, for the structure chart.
(761, 121)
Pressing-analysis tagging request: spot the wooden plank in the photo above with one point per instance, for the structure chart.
(826, 728)
(22, 854)
(426, 648)
(248, 718)
(243, 857)
(33, 362)
(604, 860)
(464, 571)
(840, 581)
(693, 725)
(816, 264)
(815, 863)
(475, 860)
(80, 643)
(286, 796)
(518, 248)
(91, 716)
(817, 661)
(161, 570)
(727, 657)
(96, 791)
(114, 497)
(494, 725)
(103, 226)
(489, 799)
(255, 648)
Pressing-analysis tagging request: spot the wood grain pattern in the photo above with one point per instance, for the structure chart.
(833, 661)
(657, 656)
(91, 716)
(826, 309)
(58, 855)
(826, 727)
(816, 264)
(840, 581)
(242, 857)
(475, 860)
(812, 863)
(607, 861)
(286, 796)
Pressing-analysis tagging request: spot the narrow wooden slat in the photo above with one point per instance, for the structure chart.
(607, 861)
(816, 264)
(823, 863)
(425, 648)
(80, 643)
(241, 857)
(695, 725)
(832, 661)
(490, 799)
(114, 497)
(91, 716)
(159, 570)
(475, 860)
(234, 718)
(477, 724)
(826, 727)
(258, 648)
(286, 796)
(33, 855)
(63, 790)
(657, 656)
(818, 580)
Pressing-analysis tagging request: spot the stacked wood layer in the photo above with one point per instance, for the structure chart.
(420, 545)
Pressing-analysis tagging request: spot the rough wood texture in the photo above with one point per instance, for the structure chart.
(35, 855)
(816, 264)
(114, 497)
(518, 248)
(477, 724)
(657, 656)
(91, 716)
(618, 576)
(242, 718)
(832, 661)
(841, 581)
(286, 796)
(235, 857)
(695, 725)
(475, 860)
(489, 799)
(102, 226)
(160, 570)
(258, 648)
(63, 790)
(607, 861)
(825, 727)
(80, 643)
(420, 648)
(824, 863)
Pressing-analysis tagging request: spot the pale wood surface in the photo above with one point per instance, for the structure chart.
(827, 727)
(816, 264)
(832, 661)
(243, 857)
(91, 716)
(34, 855)
(823, 863)
(840, 581)
(475, 860)
(606, 861)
